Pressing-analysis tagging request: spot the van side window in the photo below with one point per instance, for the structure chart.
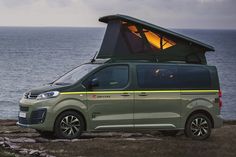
(156, 77)
(112, 77)
(194, 77)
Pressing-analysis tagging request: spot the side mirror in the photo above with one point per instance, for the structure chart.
(94, 83)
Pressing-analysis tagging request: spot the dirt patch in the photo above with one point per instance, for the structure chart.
(127, 144)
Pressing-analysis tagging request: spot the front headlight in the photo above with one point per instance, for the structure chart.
(47, 95)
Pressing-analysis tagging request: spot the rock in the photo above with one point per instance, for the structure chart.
(148, 139)
(1, 143)
(82, 140)
(14, 147)
(34, 152)
(130, 139)
(7, 144)
(149, 135)
(6, 139)
(23, 152)
(41, 140)
(1, 139)
(128, 135)
(61, 150)
(43, 155)
(22, 140)
(75, 140)
(29, 140)
(60, 140)
(8, 122)
(8, 132)
(101, 134)
(17, 140)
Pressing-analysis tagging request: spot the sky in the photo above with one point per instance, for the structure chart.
(201, 14)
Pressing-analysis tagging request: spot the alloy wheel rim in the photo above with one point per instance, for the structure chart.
(199, 127)
(70, 126)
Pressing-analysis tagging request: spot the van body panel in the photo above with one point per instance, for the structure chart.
(157, 108)
(199, 102)
(110, 110)
(132, 106)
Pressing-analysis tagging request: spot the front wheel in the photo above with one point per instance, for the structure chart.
(69, 125)
(198, 127)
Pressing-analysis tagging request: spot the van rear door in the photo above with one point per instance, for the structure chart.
(157, 98)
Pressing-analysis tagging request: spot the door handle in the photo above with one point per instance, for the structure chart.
(125, 94)
(142, 94)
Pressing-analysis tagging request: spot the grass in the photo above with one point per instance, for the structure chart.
(4, 153)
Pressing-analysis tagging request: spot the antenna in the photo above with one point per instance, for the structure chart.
(94, 57)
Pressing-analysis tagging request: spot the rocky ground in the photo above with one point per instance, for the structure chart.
(15, 141)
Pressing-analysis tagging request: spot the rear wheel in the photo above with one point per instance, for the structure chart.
(198, 127)
(69, 125)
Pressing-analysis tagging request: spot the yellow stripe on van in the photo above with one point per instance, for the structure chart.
(72, 93)
(200, 91)
(149, 91)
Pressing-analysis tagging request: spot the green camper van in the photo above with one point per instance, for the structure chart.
(144, 77)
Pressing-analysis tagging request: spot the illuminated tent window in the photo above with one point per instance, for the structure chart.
(154, 39)
(134, 39)
(158, 41)
(134, 30)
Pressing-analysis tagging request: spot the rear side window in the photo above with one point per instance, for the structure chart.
(194, 78)
(157, 77)
(169, 77)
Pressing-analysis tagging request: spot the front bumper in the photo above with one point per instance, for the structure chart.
(35, 117)
(37, 114)
(22, 125)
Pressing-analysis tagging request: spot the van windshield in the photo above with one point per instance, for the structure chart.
(76, 74)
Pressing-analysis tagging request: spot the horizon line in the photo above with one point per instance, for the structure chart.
(105, 27)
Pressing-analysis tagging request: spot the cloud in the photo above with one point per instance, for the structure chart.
(62, 3)
(16, 3)
(51, 3)
(171, 13)
(46, 13)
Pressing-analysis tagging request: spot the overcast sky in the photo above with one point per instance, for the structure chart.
(216, 14)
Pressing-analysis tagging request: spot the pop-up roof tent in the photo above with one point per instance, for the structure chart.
(127, 38)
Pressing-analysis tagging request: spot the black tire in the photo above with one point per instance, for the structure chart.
(69, 125)
(198, 127)
(46, 134)
(169, 132)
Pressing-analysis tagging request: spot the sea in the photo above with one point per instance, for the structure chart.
(33, 56)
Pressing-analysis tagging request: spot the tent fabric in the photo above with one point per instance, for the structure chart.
(106, 19)
(129, 38)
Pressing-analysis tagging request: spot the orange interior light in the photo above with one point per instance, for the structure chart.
(153, 38)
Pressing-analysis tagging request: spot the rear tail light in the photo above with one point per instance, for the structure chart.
(220, 99)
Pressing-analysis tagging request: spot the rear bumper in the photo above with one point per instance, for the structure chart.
(218, 121)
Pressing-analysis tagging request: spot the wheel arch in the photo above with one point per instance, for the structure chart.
(206, 113)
